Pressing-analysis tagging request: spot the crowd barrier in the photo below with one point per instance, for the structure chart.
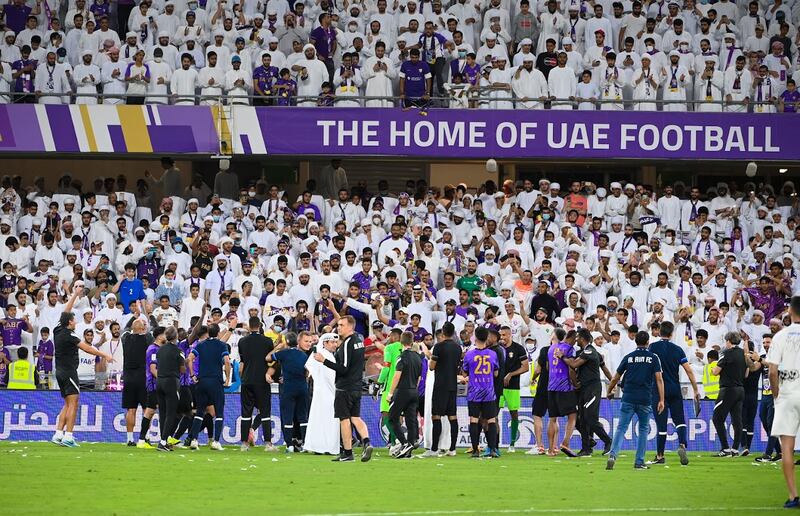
(31, 416)
(439, 133)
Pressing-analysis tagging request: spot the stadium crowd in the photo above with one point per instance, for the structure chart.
(527, 260)
(493, 54)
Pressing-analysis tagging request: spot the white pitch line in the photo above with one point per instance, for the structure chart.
(600, 510)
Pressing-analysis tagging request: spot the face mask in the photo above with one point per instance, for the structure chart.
(649, 48)
(727, 247)
(278, 329)
(376, 221)
(251, 194)
(545, 216)
(670, 240)
(216, 218)
(192, 5)
(462, 54)
(157, 59)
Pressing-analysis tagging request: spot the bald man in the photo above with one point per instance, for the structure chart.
(135, 341)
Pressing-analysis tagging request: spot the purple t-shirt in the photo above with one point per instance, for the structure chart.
(415, 75)
(12, 331)
(150, 359)
(419, 333)
(480, 365)
(559, 370)
(323, 40)
(45, 348)
(790, 98)
(16, 16)
(4, 367)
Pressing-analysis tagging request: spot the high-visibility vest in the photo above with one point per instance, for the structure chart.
(20, 375)
(710, 381)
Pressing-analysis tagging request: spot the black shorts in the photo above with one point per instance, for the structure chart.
(540, 404)
(152, 400)
(67, 382)
(561, 403)
(482, 409)
(185, 400)
(256, 397)
(443, 403)
(134, 394)
(347, 404)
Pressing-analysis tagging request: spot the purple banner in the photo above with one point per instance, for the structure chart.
(31, 416)
(478, 133)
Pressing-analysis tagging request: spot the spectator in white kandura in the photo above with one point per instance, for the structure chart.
(87, 78)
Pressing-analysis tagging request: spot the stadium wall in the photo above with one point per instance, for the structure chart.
(31, 416)
(367, 132)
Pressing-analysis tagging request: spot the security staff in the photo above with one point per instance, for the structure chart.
(255, 392)
(732, 369)
(710, 380)
(403, 397)
(588, 364)
(639, 370)
(21, 373)
(672, 359)
(170, 364)
(750, 402)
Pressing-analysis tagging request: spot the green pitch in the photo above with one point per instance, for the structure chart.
(99, 479)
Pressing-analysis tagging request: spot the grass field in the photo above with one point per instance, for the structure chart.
(113, 479)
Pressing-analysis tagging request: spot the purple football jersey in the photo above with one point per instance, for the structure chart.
(12, 331)
(150, 380)
(184, 347)
(559, 370)
(480, 365)
(45, 349)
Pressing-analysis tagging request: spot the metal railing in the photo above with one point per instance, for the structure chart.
(476, 98)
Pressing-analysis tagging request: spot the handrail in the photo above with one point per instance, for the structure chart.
(435, 101)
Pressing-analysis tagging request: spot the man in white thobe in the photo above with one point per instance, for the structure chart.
(737, 84)
(51, 81)
(561, 83)
(87, 77)
(529, 85)
(311, 73)
(322, 433)
(675, 79)
(379, 72)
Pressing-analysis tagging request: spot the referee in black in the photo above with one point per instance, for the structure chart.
(255, 392)
(588, 364)
(445, 361)
(732, 369)
(349, 367)
(403, 397)
(170, 363)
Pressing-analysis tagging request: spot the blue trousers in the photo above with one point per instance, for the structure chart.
(626, 413)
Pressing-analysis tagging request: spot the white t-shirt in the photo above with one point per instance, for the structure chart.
(785, 353)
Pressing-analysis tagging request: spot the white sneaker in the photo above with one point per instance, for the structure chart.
(395, 449)
(429, 453)
(511, 449)
(194, 445)
(56, 440)
(244, 447)
(269, 447)
(290, 449)
(451, 453)
(216, 446)
(532, 451)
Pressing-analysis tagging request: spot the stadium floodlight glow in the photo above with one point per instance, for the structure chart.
(783, 170)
